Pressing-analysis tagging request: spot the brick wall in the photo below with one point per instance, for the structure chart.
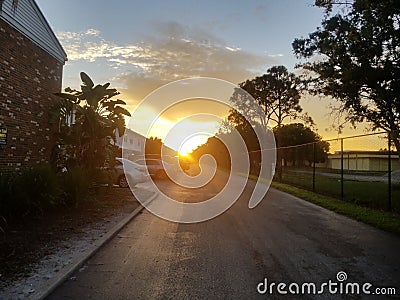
(28, 78)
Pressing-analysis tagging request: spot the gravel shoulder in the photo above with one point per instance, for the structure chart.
(34, 251)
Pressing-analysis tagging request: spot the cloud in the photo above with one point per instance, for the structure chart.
(89, 45)
(173, 52)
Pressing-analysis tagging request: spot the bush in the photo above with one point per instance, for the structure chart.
(79, 183)
(76, 184)
(32, 190)
(40, 188)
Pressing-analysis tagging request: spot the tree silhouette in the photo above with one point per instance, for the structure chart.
(215, 147)
(88, 120)
(153, 147)
(355, 58)
(278, 93)
(298, 134)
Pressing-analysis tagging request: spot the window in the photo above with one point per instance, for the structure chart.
(70, 116)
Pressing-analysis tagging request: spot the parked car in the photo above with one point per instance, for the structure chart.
(156, 168)
(128, 171)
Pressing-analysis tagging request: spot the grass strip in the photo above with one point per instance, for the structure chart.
(380, 219)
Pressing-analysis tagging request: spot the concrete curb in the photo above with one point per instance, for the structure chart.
(66, 272)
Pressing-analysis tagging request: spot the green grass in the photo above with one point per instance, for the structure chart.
(384, 220)
(337, 171)
(371, 194)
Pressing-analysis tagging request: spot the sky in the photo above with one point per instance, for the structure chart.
(140, 46)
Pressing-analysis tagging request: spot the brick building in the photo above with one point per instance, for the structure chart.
(31, 65)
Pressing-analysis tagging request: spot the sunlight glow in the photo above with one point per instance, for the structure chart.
(192, 143)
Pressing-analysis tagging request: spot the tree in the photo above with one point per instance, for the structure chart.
(153, 147)
(246, 130)
(295, 134)
(355, 58)
(243, 126)
(88, 120)
(278, 93)
(215, 147)
(328, 4)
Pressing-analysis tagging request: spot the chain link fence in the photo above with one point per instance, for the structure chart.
(362, 169)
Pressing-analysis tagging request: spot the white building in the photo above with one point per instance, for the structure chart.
(131, 142)
(362, 161)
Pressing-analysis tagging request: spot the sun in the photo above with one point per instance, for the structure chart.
(183, 153)
(192, 143)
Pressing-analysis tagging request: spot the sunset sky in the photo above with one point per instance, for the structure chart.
(139, 46)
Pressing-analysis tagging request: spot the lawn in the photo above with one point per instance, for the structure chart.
(371, 194)
(388, 221)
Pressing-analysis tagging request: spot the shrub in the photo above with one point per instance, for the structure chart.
(40, 188)
(76, 184)
(79, 183)
(32, 190)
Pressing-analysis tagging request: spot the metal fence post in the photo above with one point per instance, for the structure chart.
(341, 169)
(313, 173)
(279, 164)
(389, 173)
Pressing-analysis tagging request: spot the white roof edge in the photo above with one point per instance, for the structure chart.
(50, 30)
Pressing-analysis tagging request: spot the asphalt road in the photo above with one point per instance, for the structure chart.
(284, 239)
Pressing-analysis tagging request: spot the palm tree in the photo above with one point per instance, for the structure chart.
(88, 120)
